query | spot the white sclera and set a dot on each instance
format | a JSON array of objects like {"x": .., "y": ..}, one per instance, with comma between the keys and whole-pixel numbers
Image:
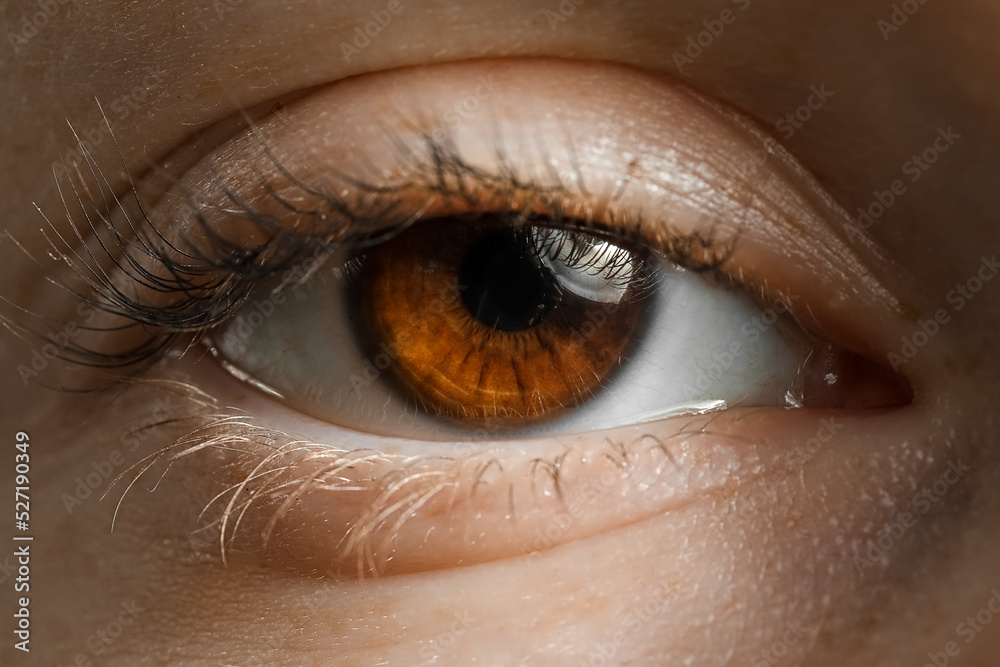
[{"x": 702, "y": 347}]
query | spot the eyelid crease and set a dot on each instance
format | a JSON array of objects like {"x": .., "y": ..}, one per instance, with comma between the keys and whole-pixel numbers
[{"x": 843, "y": 225}]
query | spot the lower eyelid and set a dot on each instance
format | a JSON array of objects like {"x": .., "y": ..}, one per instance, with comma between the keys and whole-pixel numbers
[{"x": 379, "y": 512}]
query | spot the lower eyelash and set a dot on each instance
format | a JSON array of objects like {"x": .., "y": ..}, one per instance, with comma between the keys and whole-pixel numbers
[
  {"x": 267, "y": 476},
  {"x": 180, "y": 288}
]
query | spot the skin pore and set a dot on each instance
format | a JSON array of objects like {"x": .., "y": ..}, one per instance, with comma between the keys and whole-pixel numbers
[{"x": 752, "y": 550}]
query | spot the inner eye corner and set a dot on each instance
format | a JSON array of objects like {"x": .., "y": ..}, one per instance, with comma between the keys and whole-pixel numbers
[{"x": 864, "y": 382}]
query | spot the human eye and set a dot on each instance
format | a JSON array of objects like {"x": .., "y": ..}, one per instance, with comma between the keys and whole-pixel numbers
[
  {"x": 352, "y": 181},
  {"x": 515, "y": 304}
]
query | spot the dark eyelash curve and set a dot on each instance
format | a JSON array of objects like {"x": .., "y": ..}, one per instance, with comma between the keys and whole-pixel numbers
[{"x": 171, "y": 286}]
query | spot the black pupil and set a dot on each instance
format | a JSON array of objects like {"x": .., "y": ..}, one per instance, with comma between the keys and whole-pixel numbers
[{"x": 504, "y": 284}]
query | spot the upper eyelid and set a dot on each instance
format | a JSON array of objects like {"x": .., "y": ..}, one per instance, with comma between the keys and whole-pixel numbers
[
  {"x": 233, "y": 163},
  {"x": 812, "y": 215}
]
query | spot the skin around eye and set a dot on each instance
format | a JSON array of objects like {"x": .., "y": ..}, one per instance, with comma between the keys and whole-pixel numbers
[
  {"x": 746, "y": 575},
  {"x": 375, "y": 507},
  {"x": 758, "y": 549}
]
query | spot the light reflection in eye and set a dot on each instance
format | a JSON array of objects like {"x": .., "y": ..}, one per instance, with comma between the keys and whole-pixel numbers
[{"x": 590, "y": 267}]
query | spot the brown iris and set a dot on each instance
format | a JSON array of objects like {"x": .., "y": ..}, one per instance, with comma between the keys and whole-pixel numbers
[{"x": 486, "y": 320}]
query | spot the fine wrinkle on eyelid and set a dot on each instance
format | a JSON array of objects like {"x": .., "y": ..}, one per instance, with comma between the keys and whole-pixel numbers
[
  {"x": 872, "y": 257},
  {"x": 269, "y": 473}
]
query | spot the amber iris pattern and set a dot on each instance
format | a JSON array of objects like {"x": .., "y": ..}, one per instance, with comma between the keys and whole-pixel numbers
[{"x": 498, "y": 323}]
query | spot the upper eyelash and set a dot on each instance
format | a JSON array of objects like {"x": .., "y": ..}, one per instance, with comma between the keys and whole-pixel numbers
[{"x": 210, "y": 279}]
